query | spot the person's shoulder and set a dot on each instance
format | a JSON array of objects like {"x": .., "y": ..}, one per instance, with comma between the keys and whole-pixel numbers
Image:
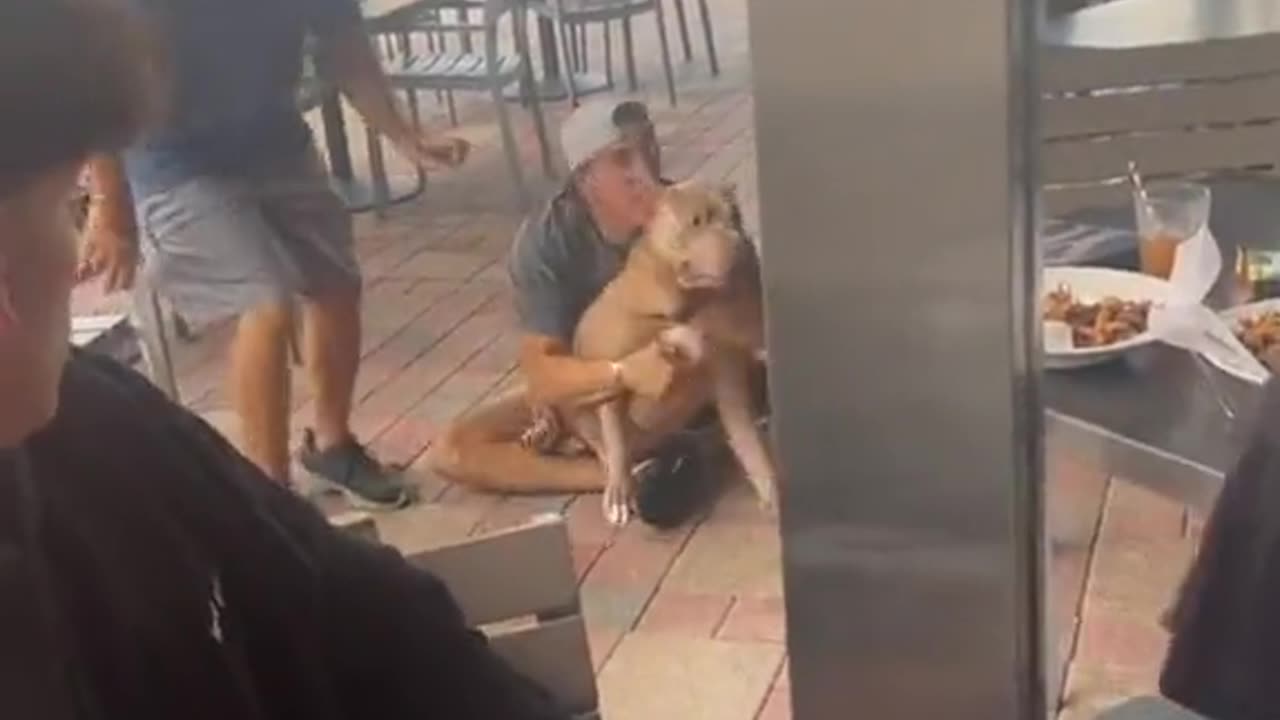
[
  {"x": 550, "y": 236},
  {"x": 106, "y": 411},
  {"x": 96, "y": 386}
]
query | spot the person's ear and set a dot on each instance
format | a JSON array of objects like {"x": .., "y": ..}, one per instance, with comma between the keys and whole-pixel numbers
[{"x": 583, "y": 178}]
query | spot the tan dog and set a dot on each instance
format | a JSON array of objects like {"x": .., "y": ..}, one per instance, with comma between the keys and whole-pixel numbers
[{"x": 686, "y": 285}]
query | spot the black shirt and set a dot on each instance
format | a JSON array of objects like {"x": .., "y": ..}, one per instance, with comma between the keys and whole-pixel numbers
[
  {"x": 147, "y": 570},
  {"x": 1224, "y": 659}
]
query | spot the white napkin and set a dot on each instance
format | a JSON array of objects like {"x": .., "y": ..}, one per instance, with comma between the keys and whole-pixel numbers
[{"x": 1184, "y": 321}]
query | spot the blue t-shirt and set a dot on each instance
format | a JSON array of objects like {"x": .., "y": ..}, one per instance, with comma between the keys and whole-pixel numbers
[
  {"x": 559, "y": 264},
  {"x": 235, "y": 67}
]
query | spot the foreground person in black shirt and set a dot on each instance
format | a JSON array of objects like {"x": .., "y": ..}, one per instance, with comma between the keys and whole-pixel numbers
[
  {"x": 1224, "y": 660},
  {"x": 146, "y": 569}
]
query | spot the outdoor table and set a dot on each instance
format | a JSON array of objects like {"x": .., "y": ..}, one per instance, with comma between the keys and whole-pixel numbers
[{"x": 1156, "y": 417}]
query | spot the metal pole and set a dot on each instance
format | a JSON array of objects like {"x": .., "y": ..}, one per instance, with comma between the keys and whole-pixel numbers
[{"x": 896, "y": 182}]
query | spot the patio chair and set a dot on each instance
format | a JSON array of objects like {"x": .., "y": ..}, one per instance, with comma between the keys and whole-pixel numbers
[
  {"x": 1178, "y": 111},
  {"x": 708, "y": 34},
  {"x": 520, "y": 587},
  {"x": 492, "y": 70},
  {"x": 578, "y": 40},
  {"x": 579, "y": 13}
]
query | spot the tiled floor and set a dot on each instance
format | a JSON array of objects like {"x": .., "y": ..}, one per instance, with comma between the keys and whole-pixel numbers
[{"x": 687, "y": 624}]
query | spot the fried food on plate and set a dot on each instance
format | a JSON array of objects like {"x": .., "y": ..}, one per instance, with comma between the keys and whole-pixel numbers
[
  {"x": 1097, "y": 324},
  {"x": 1261, "y": 334}
]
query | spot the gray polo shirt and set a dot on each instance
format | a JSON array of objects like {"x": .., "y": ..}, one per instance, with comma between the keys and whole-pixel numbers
[
  {"x": 559, "y": 265},
  {"x": 561, "y": 262}
]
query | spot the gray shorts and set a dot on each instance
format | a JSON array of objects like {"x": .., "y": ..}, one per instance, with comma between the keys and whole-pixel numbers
[{"x": 215, "y": 247}]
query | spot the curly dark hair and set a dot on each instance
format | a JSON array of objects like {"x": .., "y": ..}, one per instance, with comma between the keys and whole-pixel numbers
[{"x": 76, "y": 77}]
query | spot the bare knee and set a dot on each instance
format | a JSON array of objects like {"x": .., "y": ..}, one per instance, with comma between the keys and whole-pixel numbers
[{"x": 453, "y": 453}]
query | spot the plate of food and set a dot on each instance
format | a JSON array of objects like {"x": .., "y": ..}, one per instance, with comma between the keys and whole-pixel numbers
[
  {"x": 1094, "y": 315},
  {"x": 1257, "y": 327}
]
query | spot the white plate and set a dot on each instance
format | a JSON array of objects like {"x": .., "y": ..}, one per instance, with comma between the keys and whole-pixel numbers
[
  {"x": 1232, "y": 317},
  {"x": 1091, "y": 284}
]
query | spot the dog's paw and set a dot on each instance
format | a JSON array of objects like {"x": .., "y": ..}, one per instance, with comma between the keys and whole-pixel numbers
[{"x": 617, "y": 503}]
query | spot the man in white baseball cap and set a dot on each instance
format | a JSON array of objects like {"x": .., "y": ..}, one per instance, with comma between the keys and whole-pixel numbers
[{"x": 559, "y": 264}]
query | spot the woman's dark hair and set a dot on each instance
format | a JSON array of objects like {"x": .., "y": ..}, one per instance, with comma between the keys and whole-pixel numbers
[{"x": 76, "y": 77}]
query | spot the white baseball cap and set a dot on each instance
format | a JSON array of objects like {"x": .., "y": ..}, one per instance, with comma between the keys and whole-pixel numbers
[{"x": 597, "y": 124}]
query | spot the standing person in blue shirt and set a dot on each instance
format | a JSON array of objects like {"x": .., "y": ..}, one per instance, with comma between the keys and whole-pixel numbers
[{"x": 236, "y": 217}]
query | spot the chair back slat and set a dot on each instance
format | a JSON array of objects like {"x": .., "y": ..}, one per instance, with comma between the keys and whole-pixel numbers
[
  {"x": 520, "y": 583},
  {"x": 526, "y": 571},
  {"x": 555, "y": 655},
  {"x": 1163, "y": 108},
  {"x": 356, "y": 524},
  {"x": 1158, "y": 154},
  {"x": 1178, "y": 111},
  {"x": 1070, "y": 69}
]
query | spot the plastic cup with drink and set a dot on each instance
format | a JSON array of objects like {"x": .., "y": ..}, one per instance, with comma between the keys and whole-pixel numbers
[{"x": 1168, "y": 214}]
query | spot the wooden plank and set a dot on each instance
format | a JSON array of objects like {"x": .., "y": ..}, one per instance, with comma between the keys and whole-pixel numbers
[
  {"x": 1066, "y": 69},
  {"x": 523, "y": 571},
  {"x": 1088, "y": 160},
  {"x": 1162, "y": 108},
  {"x": 556, "y": 656}
]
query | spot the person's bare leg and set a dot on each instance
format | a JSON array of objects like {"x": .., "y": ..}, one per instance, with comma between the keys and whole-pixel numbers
[
  {"x": 331, "y": 354},
  {"x": 259, "y": 387},
  {"x": 482, "y": 449}
]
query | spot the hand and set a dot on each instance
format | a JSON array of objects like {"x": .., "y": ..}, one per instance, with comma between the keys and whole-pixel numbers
[
  {"x": 109, "y": 247},
  {"x": 648, "y": 371},
  {"x": 431, "y": 152}
]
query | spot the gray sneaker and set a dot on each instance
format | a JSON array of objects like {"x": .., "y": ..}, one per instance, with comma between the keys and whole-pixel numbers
[{"x": 349, "y": 469}]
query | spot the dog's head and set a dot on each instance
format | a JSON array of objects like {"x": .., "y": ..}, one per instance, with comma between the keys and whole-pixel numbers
[{"x": 696, "y": 233}]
